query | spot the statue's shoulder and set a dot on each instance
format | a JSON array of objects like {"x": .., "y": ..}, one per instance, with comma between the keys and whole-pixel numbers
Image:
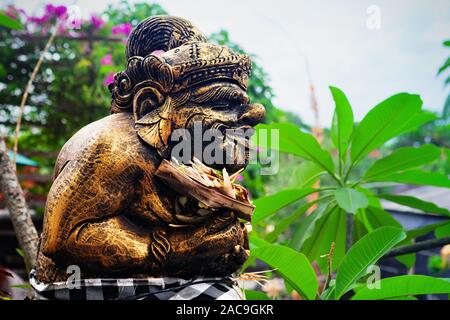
[{"x": 111, "y": 135}]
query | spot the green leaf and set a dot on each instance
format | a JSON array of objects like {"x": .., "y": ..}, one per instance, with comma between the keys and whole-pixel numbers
[
  {"x": 268, "y": 205},
  {"x": 373, "y": 218},
  {"x": 329, "y": 228},
  {"x": 9, "y": 22},
  {"x": 446, "y": 110},
  {"x": 365, "y": 253},
  {"x": 416, "y": 203},
  {"x": 256, "y": 242},
  {"x": 293, "y": 266},
  {"x": 283, "y": 224},
  {"x": 418, "y": 177},
  {"x": 419, "y": 232},
  {"x": 294, "y": 141},
  {"x": 444, "y": 66},
  {"x": 307, "y": 226},
  {"x": 403, "y": 158},
  {"x": 374, "y": 201},
  {"x": 255, "y": 295},
  {"x": 443, "y": 231},
  {"x": 416, "y": 121},
  {"x": 342, "y": 125},
  {"x": 382, "y": 123},
  {"x": 306, "y": 174},
  {"x": 402, "y": 298},
  {"x": 408, "y": 285},
  {"x": 350, "y": 200}
]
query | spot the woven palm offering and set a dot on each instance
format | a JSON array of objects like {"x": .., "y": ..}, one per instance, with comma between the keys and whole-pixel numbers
[{"x": 204, "y": 190}]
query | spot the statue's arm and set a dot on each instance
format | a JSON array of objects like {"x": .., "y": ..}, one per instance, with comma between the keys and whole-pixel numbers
[{"x": 83, "y": 220}]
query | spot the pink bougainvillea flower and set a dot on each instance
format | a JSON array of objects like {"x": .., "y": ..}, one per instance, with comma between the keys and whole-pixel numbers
[
  {"x": 58, "y": 11},
  {"x": 38, "y": 20},
  {"x": 109, "y": 79},
  {"x": 97, "y": 22},
  {"x": 157, "y": 52},
  {"x": 240, "y": 178},
  {"x": 123, "y": 28},
  {"x": 106, "y": 60}
]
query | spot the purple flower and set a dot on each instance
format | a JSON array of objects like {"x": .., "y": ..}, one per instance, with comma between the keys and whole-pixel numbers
[
  {"x": 106, "y": 60},
  {"x": 109, "y": 79},
  {"x": 240, "y": 178},
  {"x": 123, "y": 28},
  {"x": 97, "y": 22},
  {"x": 38, "y": 20},
  {"x": 50, "y": 9},
  {"x": 59, "y": 11}
]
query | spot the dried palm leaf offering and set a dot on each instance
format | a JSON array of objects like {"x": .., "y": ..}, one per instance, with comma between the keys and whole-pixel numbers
[{"x": 212, "y": 190}]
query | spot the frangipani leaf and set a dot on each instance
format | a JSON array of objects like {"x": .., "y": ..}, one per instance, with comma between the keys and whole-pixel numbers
[
  {"x": 306, "y": 174},
  {"x": 328, "y": 229},
  {"x": 416, "y": 203},
  {"x": 416, "y": 121},
  {"x": 350, "y": 200},
  {"x": 365, "y": 253},
  {"x": 9, "y": 22},
  {"x": 373, "y": 218},
  {"x": 418, "y": 177},
  {"x": 268, "y": 205},
  {"x": 408, "y": 285},
  {"x": 283, "y": 224},
  {"x": 255, "y": 295},
  {"x": 402, "y": 159},
  {"x": 342, "y": 125},
  {"x": 383, "y": 123},
  {"x": 294, "y": 141},
  {"x": 293, "y": 266}
]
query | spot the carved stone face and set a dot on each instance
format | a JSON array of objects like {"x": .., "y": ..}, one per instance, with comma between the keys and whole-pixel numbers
[
  {"x": 225, "y": 108},
  {"x": 198, "y": 83}
]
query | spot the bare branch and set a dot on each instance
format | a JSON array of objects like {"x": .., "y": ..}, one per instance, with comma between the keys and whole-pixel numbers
[
  {"x": 27, "y": 89},
  {"x": 419, "y": 246},
  {"x": 20, "y": 214}
]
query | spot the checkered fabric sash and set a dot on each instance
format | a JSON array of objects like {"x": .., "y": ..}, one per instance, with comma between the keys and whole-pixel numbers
[{"x": 139, "y": 289}]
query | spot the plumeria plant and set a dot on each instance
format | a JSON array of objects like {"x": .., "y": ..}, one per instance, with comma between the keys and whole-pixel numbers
[{"x": 348, "y": 231}]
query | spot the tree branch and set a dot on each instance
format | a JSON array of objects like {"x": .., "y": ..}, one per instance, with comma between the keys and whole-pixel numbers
[
  {"x": 72, "y": 38},
  {"x": 27, "y": 89},
  {"x": 423, "y": 245},
  {"x": 20, "y": 214}
]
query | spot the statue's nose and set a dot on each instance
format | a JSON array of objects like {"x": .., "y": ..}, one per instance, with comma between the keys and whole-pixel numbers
[{"x": 253, "y": 114}]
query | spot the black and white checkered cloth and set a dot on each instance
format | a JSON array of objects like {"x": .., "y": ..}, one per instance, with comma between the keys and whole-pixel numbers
[{"x": 139, "y": 289}]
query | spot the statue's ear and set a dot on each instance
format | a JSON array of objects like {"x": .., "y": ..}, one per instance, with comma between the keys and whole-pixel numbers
[{"x": 152, "y": 113}]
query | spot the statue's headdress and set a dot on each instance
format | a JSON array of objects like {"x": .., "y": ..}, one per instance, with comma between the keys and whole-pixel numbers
[{"x": 166, "y": 57}]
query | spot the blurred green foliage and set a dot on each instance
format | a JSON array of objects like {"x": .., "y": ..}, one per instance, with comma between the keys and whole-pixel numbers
[{"x": 70, "y": 91}]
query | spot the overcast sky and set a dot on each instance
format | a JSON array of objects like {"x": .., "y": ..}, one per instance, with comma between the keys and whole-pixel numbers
[{"x": 399, "y": 52}]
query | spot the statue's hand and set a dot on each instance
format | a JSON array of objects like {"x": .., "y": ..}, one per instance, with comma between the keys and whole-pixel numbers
[{"x": 219, "y": 247}]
